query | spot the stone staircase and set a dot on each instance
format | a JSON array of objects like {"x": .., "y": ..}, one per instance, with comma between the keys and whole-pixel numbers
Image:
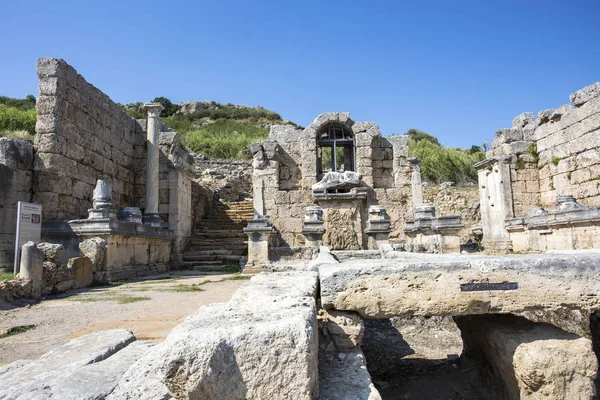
[{"x": 220, "y": 242}]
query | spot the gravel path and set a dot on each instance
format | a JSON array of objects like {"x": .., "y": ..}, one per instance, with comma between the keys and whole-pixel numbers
[{"x": 150, "y": 308}]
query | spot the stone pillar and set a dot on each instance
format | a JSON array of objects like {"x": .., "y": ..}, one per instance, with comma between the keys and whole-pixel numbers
[
  {"x": 151, "y": 216},
  {"x": 415, "y": 180},
  {"x": 102, "y": 204},
  {"x": 313, "y": 226},
  {"x": 496, "y": 202},
  {"x": 259, "y": 231},
  {"x": 32, "y": 266},
  {"x": 378, "y": 227}
]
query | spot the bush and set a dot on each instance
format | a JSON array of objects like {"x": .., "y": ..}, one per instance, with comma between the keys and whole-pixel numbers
[
  {"x": 225, "y": 138},
  {"x": 440, "y": 164},
  {"x": 169, "y": 108},
  {"x": 17, "y": 119},
  {"x": 28, "y": 103}
]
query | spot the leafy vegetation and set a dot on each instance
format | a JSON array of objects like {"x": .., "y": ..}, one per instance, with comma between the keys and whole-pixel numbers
[
  {"x": 16, "y": 118},
  {"x": 223, "y": 138},
  {"x": 6, "y": 276},
  {"x": 440, "y": 164},
  {"x": 15, "y": 330},
  {"x": 169, "y": 108},
  {"x": 28, "y": 103}
]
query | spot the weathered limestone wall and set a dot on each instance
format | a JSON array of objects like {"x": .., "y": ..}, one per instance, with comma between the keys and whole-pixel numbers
[
  {"x": 16, "y": 162},
  {"x": 286, "y": 169},
  {"x": 555, "y": 153},
  {"x": 81, "y": 136},
  {"x": 229, "y": 180},
  {"x": 456, "y": 200},
  {"x": 532, "y": 165}
]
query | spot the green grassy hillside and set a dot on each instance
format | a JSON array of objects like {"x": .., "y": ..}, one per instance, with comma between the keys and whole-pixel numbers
[{"x": 17, "y": 117}]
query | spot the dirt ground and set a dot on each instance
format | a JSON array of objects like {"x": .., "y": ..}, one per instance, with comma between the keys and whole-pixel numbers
[{"x": 150, "y": 308}]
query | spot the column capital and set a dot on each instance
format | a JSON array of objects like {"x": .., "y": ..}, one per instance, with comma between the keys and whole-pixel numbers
[{"x": 154, "y": 109}]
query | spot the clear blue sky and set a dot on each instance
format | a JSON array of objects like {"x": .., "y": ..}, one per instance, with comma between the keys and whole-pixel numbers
[{"x": 459, "y": 70}]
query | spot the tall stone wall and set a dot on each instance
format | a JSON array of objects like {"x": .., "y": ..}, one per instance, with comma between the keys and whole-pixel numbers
[
  {"x": 16, "y": 162},
  {"x": 456, "y": 200},
  {"x": 81, "y": 136},
  {"x": 555, "y": 153}
]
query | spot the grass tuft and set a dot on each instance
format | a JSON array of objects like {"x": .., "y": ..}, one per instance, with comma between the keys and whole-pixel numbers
[
  {"x": 6, "y": 276},
  {"x": 15, "y": 330}
]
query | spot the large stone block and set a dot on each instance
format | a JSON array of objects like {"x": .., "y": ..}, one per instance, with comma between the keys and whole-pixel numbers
[
  {"x": 16, "y": 154},
  {"x": 550, "y": 288},
  {"x": 584, "y": 95},
  {"x": 261, "y": 344},
  {"x": 533, "y": 361},
  {"x": 85, "y": 368}
]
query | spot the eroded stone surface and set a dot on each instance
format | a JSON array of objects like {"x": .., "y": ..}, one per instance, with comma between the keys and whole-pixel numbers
[
  {"x": 35, "y": 379},
  {"x": 261, "y": 344},
  {"x": 533, "y": 361},
  {"x": 560, "y": 289}
]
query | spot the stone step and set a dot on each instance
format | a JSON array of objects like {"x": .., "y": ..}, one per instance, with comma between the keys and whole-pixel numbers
[
  {"x": 218, "y": 259},
  {"x": 198, "y": 266}
]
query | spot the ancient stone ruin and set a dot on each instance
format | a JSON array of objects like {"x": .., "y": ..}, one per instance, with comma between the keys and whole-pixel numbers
[{"x": 362, "y": 287}]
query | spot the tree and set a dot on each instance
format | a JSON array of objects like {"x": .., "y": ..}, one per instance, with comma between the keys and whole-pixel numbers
[
  {"x": 170, "y": 108},
  {"x": 418, "y": 135}
]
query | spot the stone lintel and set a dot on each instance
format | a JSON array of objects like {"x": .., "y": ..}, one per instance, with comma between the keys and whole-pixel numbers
[
  {"x": 578, "y": 217},
  {"x": 359, "y": 193},
  {"x": 87, "y": 227},
  {"x": 489, "y": 162}
]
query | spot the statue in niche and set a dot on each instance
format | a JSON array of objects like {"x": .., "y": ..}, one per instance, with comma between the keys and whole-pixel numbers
[{"x": 338, "y": 180}]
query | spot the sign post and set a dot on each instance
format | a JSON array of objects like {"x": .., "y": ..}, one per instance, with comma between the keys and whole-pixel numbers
[{"x": 29, "y": 228}]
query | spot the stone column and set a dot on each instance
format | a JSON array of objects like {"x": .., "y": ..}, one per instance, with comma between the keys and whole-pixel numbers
[
  {"x": 151, "y": 216},
  {"x": 313, "y": 229},
  {"x": 32, "y": 266},
  {"x": 496, "y": 202},
  {"x": 415, "y": 180},
  {"x": 378, "y": 227},
  {"x": 102, "y": 205}
]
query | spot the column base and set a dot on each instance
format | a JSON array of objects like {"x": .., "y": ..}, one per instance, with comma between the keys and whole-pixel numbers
[{"x": 153, "y": 220}]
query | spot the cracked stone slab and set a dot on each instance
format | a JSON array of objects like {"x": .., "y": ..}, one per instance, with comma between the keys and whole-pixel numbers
[{"x": 560, "y": 289}]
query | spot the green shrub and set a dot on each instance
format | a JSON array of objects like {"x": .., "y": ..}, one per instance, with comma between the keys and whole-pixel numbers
[
  {"x": 440, "y": 164},
  {"x": 16, "y": 119},
  {"x": 555, "y": 160},
  {"x": 225, "y": 138},
  {"x": 28, "y": 103}
]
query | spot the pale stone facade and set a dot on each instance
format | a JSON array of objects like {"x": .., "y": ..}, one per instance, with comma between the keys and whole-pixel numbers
[
  {"x": 286, "y": 168},
  {"x": 533, "y": 164}
]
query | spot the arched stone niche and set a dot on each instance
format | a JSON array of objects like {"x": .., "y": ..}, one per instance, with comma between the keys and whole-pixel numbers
[{"x": 366, "y": 135}]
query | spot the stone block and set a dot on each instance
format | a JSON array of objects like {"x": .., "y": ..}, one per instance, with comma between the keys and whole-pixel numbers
[
  {"x": 533, "y": 360},
  {"x": 584, "y": 95},
  {"x": 508, "y": 136},
  {"x": 51, "y": 67},
  {"x": 588, "y": 158},
  {"x": 285, "y": 304},
  {"x": 523, "y": 120},
  {"x": 51, "y": 251},
  {"x": 56, "y": 163},
  {"x": 16, "y": 154},
  {"x": 82, "y": 271},
  {"x": 95, "y": 250}
]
